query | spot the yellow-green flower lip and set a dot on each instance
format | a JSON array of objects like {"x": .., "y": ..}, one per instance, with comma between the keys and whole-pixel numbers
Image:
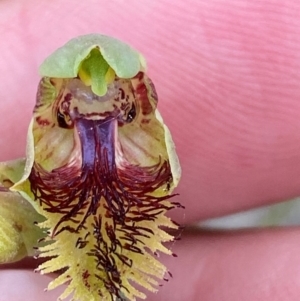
[{"x": 65, "y": 61}]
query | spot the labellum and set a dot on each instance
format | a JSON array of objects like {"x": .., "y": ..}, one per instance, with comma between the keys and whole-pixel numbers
[{"x": 100, "y": 168}]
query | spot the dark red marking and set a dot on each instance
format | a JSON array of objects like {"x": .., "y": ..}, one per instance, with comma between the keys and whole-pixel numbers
[
  {"x": 142, "y": 96},
  {"x": 145, "y": 121},
  {"x": 85, "y": 277},
  {"x": 42, "y": 122}
]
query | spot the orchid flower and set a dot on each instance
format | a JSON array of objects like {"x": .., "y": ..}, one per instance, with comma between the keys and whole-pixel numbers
[{"x": 99, "y": 173}]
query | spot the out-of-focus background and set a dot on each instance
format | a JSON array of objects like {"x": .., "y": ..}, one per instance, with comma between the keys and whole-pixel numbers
[{"x": 282, "y": 214}]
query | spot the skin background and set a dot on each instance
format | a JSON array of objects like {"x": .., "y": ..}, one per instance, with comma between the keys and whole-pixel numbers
[{"x": 227, "y": 76}]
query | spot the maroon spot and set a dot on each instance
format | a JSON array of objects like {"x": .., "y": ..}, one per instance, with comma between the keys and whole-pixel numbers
[
  {"x": 68, "y": 97},
  {"x": 145, "y": 120},
  {"x": 85, "y": 276},
  {"x": 142, "y": 95},
  {"x": 152, "y": 89},
  {"x": 140, "y": 76},
  {"x": 42, "y": 122},
  {"x": 122, "y": 93},
  {"x": 124, "y": 106}
]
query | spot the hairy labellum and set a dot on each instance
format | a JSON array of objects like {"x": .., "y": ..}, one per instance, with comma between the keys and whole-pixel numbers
[{"x": 101, "y": 166}]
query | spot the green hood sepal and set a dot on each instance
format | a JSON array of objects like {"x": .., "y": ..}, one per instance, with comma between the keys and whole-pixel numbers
[{"x": 66, "y": 61}]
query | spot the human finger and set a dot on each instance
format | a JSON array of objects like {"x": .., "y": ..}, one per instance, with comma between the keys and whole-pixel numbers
[
  {"x": 259, "y": 265},
  {"x": 226, "y": 77}
]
